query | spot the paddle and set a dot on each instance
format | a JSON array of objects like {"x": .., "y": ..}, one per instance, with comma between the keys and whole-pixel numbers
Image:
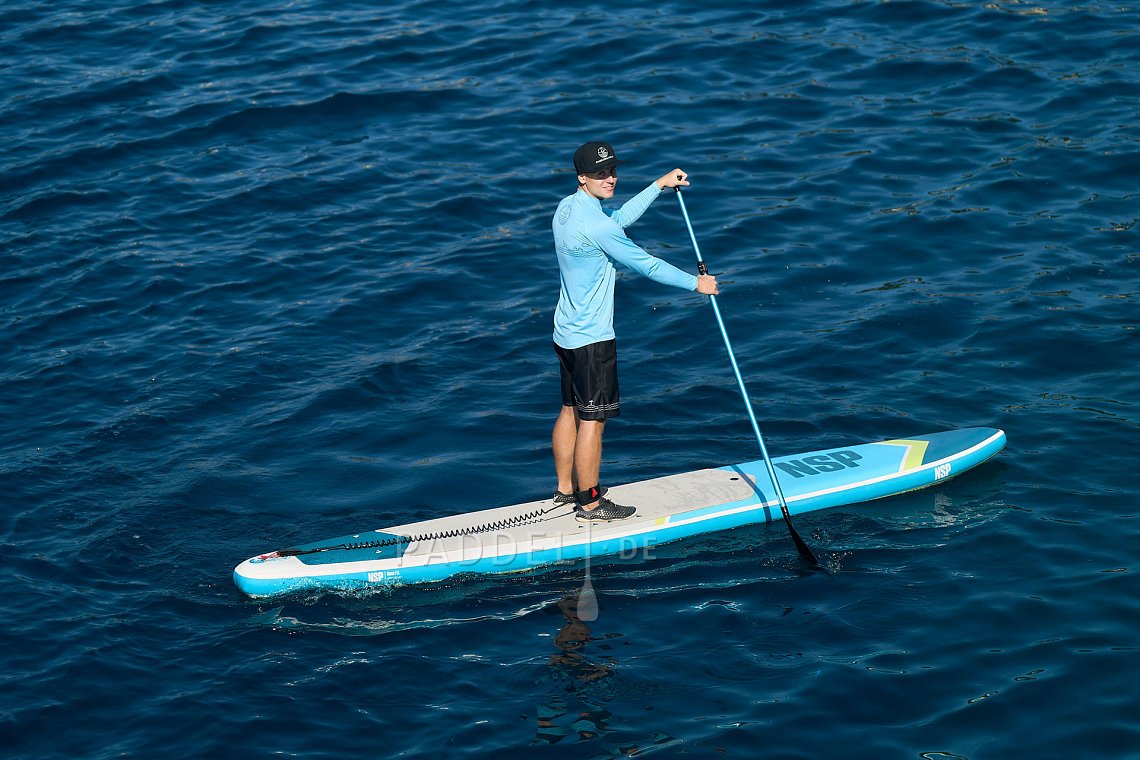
[{"x": 805, "y": 552}]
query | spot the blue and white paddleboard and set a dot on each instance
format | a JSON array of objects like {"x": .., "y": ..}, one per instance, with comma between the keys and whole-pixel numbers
[{"x": 525, "y": 536}]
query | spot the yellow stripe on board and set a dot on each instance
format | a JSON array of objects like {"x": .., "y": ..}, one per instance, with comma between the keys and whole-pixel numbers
[{"x": 915, "y": 451}]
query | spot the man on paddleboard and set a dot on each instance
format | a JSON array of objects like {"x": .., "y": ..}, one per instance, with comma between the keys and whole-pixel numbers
[{"x": 588, "y": 239}]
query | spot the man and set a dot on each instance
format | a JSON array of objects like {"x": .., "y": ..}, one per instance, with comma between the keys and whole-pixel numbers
[{"x": 588, "y": 240}]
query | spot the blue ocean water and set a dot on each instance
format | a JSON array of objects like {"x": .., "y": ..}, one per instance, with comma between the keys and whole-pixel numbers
[{"x": 274, "y": 272}]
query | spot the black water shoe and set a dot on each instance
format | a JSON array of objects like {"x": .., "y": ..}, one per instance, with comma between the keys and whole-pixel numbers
[{"x": 606, "y": 511}]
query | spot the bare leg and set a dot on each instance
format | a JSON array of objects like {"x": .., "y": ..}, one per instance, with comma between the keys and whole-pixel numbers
[
  {"x": 564, "y": 440},
  {"x": 588, "y": 455}
]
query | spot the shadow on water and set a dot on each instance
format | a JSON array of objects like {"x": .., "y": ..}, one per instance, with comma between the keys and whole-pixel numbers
[{"x": 577, "y": 678}]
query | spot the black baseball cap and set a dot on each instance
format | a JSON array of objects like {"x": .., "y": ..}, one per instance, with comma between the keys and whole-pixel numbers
[{"x": 594, "y": 157}]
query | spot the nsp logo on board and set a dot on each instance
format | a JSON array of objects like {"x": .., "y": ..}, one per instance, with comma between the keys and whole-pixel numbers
[{"x": 833, "y": 461}]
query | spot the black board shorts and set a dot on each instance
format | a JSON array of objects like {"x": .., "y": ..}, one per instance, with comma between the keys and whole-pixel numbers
[{"x": 589, "y": 379}]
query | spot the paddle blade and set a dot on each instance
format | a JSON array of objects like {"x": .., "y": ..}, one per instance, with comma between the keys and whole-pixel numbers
[{"x": 806, "y": 554}]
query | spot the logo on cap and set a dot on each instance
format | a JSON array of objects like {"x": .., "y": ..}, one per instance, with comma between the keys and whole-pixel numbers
[{"x": 603, "y": 154}]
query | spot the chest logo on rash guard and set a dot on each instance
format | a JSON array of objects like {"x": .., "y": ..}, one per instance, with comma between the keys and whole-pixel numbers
[{"x": 563, "y": 213}]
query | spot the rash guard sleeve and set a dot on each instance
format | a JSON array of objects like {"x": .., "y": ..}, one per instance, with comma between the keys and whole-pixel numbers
[
  {"x": 632, "y": 209},
  {"x": 624, "y": 251}
]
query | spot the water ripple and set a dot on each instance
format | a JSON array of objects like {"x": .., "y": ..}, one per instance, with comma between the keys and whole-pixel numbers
[{"x": 273, "y": 272}]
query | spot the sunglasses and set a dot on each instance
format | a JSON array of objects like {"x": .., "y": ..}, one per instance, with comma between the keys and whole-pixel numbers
[{"x": 611, "y": 172}]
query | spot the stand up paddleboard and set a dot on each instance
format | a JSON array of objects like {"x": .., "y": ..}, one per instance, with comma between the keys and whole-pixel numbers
[{"x": 525, "y": 536}]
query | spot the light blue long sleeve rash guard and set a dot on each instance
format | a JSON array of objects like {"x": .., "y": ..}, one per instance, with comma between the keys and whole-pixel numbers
[{"x": 587, "y": 240}]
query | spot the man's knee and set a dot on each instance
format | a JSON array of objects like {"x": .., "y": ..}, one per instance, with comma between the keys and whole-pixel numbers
[{"x": 589, "y": 427}]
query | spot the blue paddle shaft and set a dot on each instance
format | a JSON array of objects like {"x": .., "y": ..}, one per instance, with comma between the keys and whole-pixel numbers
[{"x": 702, "y": 267}]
